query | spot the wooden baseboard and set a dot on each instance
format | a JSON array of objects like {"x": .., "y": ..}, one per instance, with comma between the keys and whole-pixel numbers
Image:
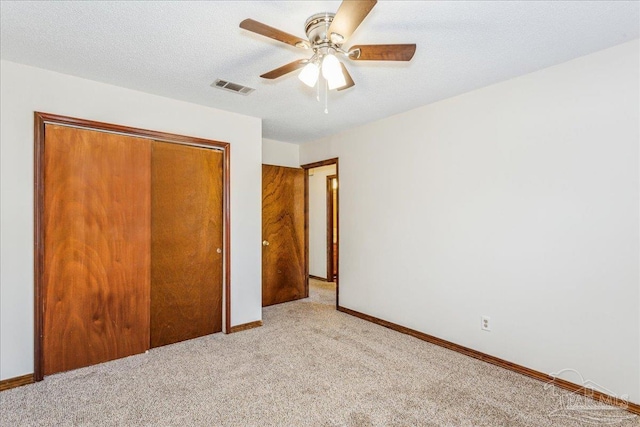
[
  {"x": 16, "y": 382},
  {"x": 311, "y": 276},
  {"x": 245, "y": 326},
  {"x": 567, "y": 385}
]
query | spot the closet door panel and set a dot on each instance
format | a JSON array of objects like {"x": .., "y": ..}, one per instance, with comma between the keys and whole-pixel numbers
[
  {"x": 97, "y": 227},
  {"x": 187, "y": 230}
]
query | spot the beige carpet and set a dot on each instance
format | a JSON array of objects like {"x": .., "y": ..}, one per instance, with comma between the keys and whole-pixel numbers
[{"x": 309, "y": 365}]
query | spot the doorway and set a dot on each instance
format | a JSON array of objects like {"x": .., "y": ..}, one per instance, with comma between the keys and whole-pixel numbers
[
  {"x": 332, "y": 228},
  {"x": 322, "y": 222}
]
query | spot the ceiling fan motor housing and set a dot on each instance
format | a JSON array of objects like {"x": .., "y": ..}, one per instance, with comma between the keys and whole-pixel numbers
[{"x": 317, "y": 27}]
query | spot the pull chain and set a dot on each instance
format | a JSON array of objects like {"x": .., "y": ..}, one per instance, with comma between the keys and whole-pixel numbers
[{"x": 326, "y": 97}]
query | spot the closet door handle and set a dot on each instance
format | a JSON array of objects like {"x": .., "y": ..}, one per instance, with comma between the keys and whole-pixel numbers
[
  {"x": 265, "y": 243},
  {"x": 219, "y": 250}
]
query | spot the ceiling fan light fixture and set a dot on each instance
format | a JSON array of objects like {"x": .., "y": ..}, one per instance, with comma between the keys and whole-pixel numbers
[
  {"x": 332, "y": 72},
  {"x": 309, "y": 74}
]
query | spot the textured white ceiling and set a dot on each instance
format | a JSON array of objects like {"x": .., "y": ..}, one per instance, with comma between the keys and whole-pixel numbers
[{"x": 177, "y": 49}]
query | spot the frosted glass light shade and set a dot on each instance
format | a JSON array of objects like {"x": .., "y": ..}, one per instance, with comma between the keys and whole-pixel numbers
[
  {"x": 332, "y": 71},
  {"x": 309, "y": 74},
  {"x": 337, "y": 82}
]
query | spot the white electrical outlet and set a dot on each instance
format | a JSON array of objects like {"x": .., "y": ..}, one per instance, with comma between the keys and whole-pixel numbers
[{"x": 485, "y": 324}]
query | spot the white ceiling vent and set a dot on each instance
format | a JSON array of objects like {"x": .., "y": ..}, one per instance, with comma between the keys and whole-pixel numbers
[{"x": 232, "y": 87}]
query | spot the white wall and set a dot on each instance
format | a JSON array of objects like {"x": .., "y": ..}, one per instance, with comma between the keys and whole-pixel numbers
[
  {"x": 519, "y": 201},
  {"x": 27, "y": 89},
  {"x": 318, "y": 220},
  {"x": 280, "y": 153}
]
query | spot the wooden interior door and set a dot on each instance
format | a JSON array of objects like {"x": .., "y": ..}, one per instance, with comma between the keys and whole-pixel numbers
[
  {"x": 284, "y": 274},
  {"x": 186, "y": 242},
  {"x": 96, "y": 218}
]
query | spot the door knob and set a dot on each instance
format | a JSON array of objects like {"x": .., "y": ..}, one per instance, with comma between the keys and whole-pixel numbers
[
  {"x": 219, "y": 250},
  {"x": 265, "y": 243}
]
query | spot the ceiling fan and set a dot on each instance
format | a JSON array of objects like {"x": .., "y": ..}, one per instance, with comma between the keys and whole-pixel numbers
[{"x": 326, "y": 33}]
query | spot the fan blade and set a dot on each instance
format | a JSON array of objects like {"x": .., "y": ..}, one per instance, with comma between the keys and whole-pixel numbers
[
  {"x": 347, "y": 78},
  {"x": 382, "y": 52},
  {"x": 348, "y": 17},
  {"x": 273, "y": 33},
  {"x": 285, "y": 69}
]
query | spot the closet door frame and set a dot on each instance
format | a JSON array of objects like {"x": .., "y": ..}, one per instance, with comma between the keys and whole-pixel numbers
[{"x": 40, "y": 121}]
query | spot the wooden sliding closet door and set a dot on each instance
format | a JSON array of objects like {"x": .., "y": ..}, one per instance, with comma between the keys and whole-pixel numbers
[
  {"x": 96, "y": 247},
  {"x": 186, "y": 242}
]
